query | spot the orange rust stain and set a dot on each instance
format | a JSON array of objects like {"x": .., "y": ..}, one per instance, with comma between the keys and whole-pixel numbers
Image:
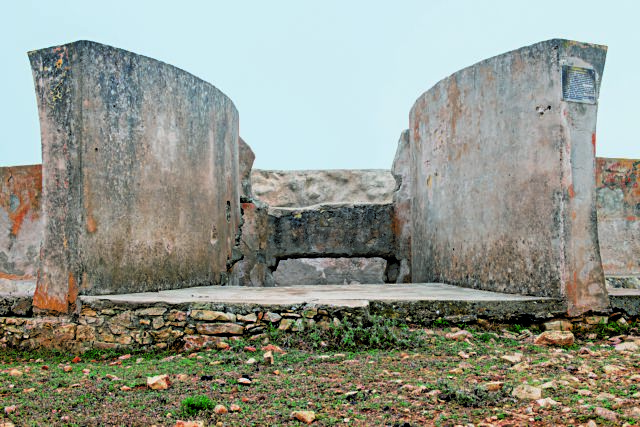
[
  {"x": 25, "y": 183},
  {"x": 15, "y": 276},
  {"x": 593, "y": 142},
  {"x": 574, "y": 215},
  {"x": 572, "y": 193},
  {"x": 18, "y": 218},
  {"x": 72, "y": 293},
  {"x": 44, "y": 301},
  {"x": 632, "y": 218},
  {"x": 91, "y": 225}
]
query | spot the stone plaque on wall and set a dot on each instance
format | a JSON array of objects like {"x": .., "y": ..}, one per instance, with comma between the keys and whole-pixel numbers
[{"x": 578, "y": 84}]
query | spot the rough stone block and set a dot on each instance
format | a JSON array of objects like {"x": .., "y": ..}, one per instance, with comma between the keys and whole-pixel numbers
[
  {"x": 219, "y": 329},
  {"x": 323, "y": 271},
  {"x": 503, "y": 162},
  {"x": 341, "y": 230},
  {"x": 210, "y": 315},
  {"x": 313, "y": 187},
  {"x": 141, "y": 180}
]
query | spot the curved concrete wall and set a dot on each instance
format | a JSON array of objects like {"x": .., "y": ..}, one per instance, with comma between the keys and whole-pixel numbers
[
  {"x": 503, "y": 165},
  {"x": 20, "y": 221},
  {"x": 618, "y": 189},
  {"x": 140, "y": 167}
]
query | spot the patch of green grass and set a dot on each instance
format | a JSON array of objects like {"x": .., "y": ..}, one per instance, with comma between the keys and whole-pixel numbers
[{"x": 196, "y": 404}]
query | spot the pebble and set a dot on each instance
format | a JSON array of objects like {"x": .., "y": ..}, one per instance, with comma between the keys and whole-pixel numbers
[
  {"x": 220, "y": 409},
  {"x": 306, "y": 417}
]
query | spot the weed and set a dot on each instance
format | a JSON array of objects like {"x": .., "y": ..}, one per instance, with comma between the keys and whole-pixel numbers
[{"x": 193, "y": 405}]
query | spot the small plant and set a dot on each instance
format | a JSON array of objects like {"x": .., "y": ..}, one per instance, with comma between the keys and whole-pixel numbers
[{"x": 194, "y": 405}]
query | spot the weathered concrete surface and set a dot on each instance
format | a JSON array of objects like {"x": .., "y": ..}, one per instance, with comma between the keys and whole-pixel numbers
[
  {"x": 618, "y": 196},
  {"x": 503, "y": 195},
  {"x": 401, "y": 171},
  {"x": 252, "y": 269},
  {"x": 245, "y": 160},
  {"x": 141, "y": 180},
  {"x": 330, "y": 271},
  {"x": 625, "y": 300},
  {"x": 339, "y": 230},
  {"x": 21, "y": 223},
  {"x": 313, "y": 187}
]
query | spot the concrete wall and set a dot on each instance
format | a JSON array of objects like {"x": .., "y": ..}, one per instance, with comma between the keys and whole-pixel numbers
[
  {"x": 504, "y": 168},
  {"x": 313, "y": 187},
  {"x": 618, "y": 190},
  {"x": 401, "y": 171},
  {"x": 140, "y": 167},
  {"x": 20, "y": 221}
]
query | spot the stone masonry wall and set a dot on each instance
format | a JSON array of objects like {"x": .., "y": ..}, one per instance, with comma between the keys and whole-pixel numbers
[{"x": 303, "y": 188}]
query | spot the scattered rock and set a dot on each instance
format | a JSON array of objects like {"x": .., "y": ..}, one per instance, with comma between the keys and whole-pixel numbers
[
  {"x": 547, "y": 401},
  {"x": 268, "y": 357},
  {"x": 606, "y": 414},
  {"x": 627, "y": 346},
  {"x": 251, "y": 361},
  {"x": 612, "y": 369},
  {"x": 220, "y": 409},
  {"x": 10, "y": 409},
  {"x": 527, "y": 392},
  {"x": 159, "y": 382},
  {"x": 250, "y": 349},
  {"x": 76, "y": 359},
  {"x": 304, "y": 416},
  {"x": 67, "y": 368},
  {"x": 235, "y": 408},
  {"x": 558, "y": 325},
  {"x": 512, "y": 358},
  {"x": 244, "y": 381},
  {"x": 125, "y": 388},
  {"x": 494, "y": 385},
  {"x": 605, "y": 396},
  {"x": 459, "y": 335},
  {"x": 180, "y": 423},
  {"x": 15, "y": 373},
  {"x": 273, "y": 348},
  {"x": 549, "y": 385},
  {"x": 520, "y": 367},
  {"x": 557, "y": 338}
]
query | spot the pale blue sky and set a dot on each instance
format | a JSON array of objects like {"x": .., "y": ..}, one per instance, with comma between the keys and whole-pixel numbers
[{"x": 320, "y": 84}]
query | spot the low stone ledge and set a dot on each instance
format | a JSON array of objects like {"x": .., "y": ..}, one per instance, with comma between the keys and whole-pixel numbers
[{"x": 103, "y": 324}]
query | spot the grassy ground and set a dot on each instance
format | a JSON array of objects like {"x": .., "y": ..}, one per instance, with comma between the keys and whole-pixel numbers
[{"x": 382, "y": 374}]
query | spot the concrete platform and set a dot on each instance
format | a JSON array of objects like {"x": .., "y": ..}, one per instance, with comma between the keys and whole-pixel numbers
[
  {"x": 334, "y": 295},
  {"x": 419, "y": 300}
]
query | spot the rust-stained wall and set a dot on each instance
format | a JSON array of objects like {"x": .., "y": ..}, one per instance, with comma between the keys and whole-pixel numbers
[
  {"x": 503, "y": 195},
  {"x": 618, "y": 190},
  {"x": 141, "y": 180},
  {"x": 20, "y": 221}
]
